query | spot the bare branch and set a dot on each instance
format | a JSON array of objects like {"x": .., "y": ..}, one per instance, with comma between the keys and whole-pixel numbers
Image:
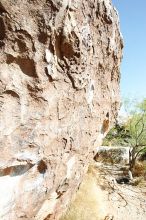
[{"x": 139, "y": 152}]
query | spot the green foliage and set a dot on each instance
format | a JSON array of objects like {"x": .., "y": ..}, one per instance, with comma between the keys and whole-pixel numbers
[
  {"x": 136, "y": 126},
  {"x": 131, "y": 133},
  {"x": 117, "y": 136}
]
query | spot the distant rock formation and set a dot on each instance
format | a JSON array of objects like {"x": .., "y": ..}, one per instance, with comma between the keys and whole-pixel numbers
[
  {"x": 113, "y": 154},
  {"x": 59, "y": 80}
]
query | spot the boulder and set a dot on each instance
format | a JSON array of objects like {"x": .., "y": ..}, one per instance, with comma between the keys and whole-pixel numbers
[
  {"x": 113, "y": 154},
  {"x": 59, "y": 94}
]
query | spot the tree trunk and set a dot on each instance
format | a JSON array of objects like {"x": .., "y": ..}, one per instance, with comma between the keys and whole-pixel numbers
[
  {"x": 132, "y": 164},
  {"x": 132, "y": 159}
]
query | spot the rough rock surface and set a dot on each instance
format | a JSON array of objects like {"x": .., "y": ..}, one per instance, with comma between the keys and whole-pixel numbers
[
  {"x": 113, "y": 154},
  {"x": 59, "y": 93}
]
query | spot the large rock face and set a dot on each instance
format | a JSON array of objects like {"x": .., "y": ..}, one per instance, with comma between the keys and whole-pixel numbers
[{"x": 59, "y": 85}]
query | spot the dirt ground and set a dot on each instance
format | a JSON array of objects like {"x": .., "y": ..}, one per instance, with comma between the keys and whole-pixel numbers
[
  {"x": 123, "y": 201},
  {"x": 100, "y": 197}
]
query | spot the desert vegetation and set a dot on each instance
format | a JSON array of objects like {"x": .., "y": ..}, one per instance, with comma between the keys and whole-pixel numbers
[{"x": 131, "y": 132}]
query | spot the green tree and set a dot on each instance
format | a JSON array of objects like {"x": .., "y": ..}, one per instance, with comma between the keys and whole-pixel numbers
[
  {"x": 131, "y": 133},
  {"x": 136, "y": 126}
]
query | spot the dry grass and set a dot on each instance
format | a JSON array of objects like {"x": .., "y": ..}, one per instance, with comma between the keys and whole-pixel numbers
[
  {"x": 87, "y": 204},
  {"x": 140, "y": 174},
  {"x": 140, "y": 169}
]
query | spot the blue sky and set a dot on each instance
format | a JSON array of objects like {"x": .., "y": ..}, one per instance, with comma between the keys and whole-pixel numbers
[{"x": 133, "y": 27}]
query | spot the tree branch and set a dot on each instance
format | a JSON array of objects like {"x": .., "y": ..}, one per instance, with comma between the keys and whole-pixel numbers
[{"x": 136, "y": 155}]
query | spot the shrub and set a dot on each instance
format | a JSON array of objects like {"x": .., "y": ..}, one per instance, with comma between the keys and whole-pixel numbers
[{"x": 139, "y": 169}]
